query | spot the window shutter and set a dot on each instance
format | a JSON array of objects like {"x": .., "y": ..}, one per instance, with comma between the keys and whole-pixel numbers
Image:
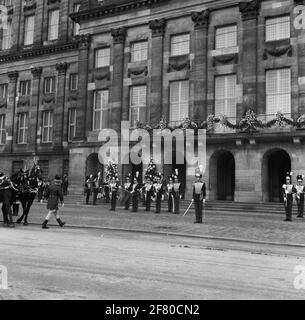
[{"x": 180, "y": 45}]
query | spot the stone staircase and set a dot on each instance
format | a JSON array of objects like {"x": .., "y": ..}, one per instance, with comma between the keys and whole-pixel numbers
[{"x": 219, "y": 206}]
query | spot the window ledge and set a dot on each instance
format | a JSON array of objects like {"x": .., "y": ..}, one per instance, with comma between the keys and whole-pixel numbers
[{"x": 225, "y": 51}]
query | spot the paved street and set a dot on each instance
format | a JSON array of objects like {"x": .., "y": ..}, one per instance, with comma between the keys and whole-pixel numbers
[
  {"x": 262, "y": 227},
  {"x": 92, "y": 264}
]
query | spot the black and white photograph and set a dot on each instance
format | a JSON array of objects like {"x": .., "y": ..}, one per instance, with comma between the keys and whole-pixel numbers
[{"x": 152, "y": 151}]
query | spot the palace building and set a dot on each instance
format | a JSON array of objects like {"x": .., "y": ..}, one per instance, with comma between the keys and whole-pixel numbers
[{"x": 69, "y": 69}]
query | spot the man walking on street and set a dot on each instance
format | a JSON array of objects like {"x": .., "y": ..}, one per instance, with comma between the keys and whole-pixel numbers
[{"x": 54, "y": 194}]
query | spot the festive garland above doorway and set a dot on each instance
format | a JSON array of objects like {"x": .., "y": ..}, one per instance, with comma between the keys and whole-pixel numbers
[{"x": 249, "y": 123}]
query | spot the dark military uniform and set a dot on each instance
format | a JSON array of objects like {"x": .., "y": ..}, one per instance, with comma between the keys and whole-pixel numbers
[
  {"x": 135, "y": 194},
  {"x": 177, "y": 193},
  {"x": 169, "y": 188},
  {"x": 300, "y": 199},
  {"x": 114, "y": 188},
  {"x": 199, "y": 195},
  {"x": 288, "y": 190},
  {"x": 159, "y": 190},
  {"x": 127, "y": 187},
  {"x": 148, "y": 193},
  {"x": 5, "y": 198}
]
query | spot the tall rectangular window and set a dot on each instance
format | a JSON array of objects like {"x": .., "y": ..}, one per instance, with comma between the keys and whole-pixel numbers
[
  {"x": 226, "y": 37},
  {"x": 278, "y": 92},
  {"x": 76, "y": 26},
  {"x": 139, "y": 51},
  {"x": 101, "y": 98},
  {"x": 226, "y": 96},
  {"x": 29, "y": 27},
  {"x": 25, "y": 88},
  {"x": 179, "y": 100},
  {"x": 53, "y": 26},
  {"x": 7, "y": 36},
  {"x": 137, "y": 104},
  {"x": 49, "y": 85},
  {"x": 102, "y": 57},
  {"x": 73, "y": 81},
  {"x": 3, "y": 91},
  {"x": 47, "y": 126},
  {"x": 180, "y": 45},
  {"x": 72, "y": 124},
  {"x": 2, "y": 130},
  {"x": 23, "y": 123},
  {"x": 277, "y": 28}
]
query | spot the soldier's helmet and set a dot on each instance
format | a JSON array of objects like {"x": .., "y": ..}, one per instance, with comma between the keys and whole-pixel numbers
[{"x": 300, "y": 178}]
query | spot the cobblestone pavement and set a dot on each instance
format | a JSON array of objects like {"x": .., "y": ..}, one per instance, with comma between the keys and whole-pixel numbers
[{"x": 262, "y": 227}]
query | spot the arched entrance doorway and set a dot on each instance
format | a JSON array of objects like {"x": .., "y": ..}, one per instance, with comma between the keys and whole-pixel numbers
[
  {"x": 277, "y": 163},
  {"x": 222, "y": 175},
  {"x": 93, "y": 165}
]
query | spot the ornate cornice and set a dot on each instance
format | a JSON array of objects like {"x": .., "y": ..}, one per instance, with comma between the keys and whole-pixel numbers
[
  {"x": 62, "y": 68},
  {"x": 97, "y": 11},
  {"x": 35, "y": 52},
  {"x": 201, "y": 19},
  {"x": 250, "y": 10},
  {"x": 157, "y": 27},
  {"x": 13, "y": 76},
  {"x": 36, "y": 72},
  {"x": 179, "y": 63},
  {"x": 138, "y": 71},
  {"x": 83, "y": 40},
  {"x": 119, "y": 35},
  {"x": 226, "y": 58},
  {"x": 52, "y": 2},
  {"x": 29, "y": 7}
]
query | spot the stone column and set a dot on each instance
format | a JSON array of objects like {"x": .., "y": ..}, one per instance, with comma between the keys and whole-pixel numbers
[
  {"x": 155, "y": 108},
  {"x": 199, "y": 75},
  {"x": 34, "y": 109},
  {"x": 11, "y": 107},
  {"x": 59, "y": 112},
  {"x": 249, "y": 12},
  {"x": 83, "y": 57},
  {"x": 119, "y": 36}
]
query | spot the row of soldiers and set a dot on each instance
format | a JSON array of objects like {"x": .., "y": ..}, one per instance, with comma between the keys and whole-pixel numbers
[
  {"x": 154, "y": 189},
  {"x": 291, "y": 192}
]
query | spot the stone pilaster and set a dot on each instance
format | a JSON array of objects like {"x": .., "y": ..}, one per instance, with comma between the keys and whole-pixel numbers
[
  {"x": 155, "y": 108},
  {"x": 119, "y": 36},
  {"x": 59, "y": 112},
  {"x": 11, "y": 107},
  {"x": 34, "y": 110},
  {"x": 199, "y": 72},
  {"x": 81, "y": 113},
  {"x": 249, "y": 13}
]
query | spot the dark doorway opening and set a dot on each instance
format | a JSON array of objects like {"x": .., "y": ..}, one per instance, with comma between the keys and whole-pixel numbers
[
  {"x": 225, "y": 176},
  {"x": 279, "y": 163}
]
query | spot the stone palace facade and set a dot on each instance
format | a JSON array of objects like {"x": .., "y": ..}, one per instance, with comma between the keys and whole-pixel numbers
[{"x": 71, "y": 68}]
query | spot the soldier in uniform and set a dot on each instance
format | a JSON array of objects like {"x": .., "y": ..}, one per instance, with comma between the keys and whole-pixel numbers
[
  {"x": 54, "y": 194},
  {"x": 288, "y": 190},
  {"x": 127, "y": 187},
  {"x": 300, "y": 189},
  {"x": 199, "y": 195},
  {"x": 177, "y": 195},
  {"x": 114, "y": 188},
  {"x": 135, "y": 194},
  {"x": 169, "y": 192},
  {"x": 5, "y": 198},
  {"x": 148, "y": 190},
  {"x": 159, "y": 193},
  {"x": 87, "y": 189}
]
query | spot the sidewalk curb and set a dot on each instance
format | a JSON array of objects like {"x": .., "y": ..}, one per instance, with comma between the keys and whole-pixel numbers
[{"x": 173, "y": 234}]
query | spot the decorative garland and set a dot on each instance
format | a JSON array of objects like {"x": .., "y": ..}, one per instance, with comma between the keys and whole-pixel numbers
[{"x": 249, "y": 123}]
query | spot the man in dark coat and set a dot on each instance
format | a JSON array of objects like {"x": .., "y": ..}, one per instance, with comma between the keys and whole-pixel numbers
[
  {"x": 114, "y": 188},
  {"x": 288, "y": 190},
  {"x": 135, "y": 194},
  {"x": 159, "y": 190},
  {"x": 54, "y": 194},
  {"x": 5, "y": 198},
  {"x": 300, "y": 190},
  {"x": 177, "y": 195},
  {"x": 127, "y": 188}
]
